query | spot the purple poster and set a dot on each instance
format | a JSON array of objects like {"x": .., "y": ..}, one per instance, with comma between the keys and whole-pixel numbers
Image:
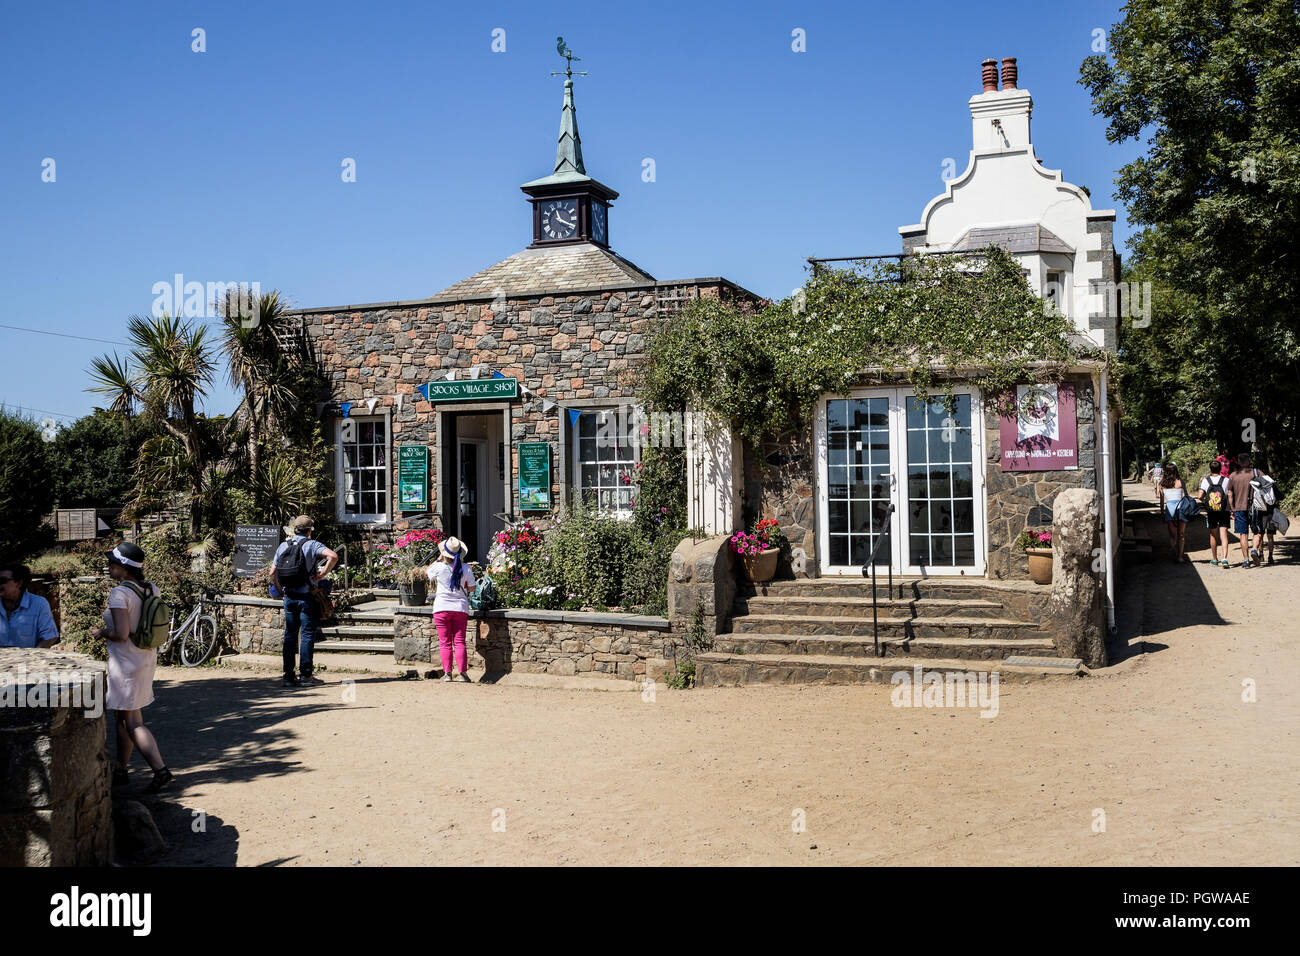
[{"x": 1044, "y": 434}]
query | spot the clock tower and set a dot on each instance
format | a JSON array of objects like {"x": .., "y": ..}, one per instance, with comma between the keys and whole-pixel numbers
[{"x": 568, "y": 205}]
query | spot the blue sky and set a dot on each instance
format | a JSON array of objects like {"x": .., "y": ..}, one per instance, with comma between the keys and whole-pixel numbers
[{"x": 225, "y": 165}]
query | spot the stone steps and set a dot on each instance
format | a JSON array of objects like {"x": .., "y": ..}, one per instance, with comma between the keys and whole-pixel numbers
[
  {"x": 717, "y": 669},
  {"x": 840, "y": 606},
  {"x": 377, "y": 646},
  {"x": 889, "y": 626},
  {"x": 958, "y": 648},
  {"x": 1007, "y": 593}
]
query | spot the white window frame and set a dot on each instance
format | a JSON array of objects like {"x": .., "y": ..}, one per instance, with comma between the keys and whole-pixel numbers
[
  {"x": 340, "y": 507},
  {"x": 900, "y": 530},
  {"x": 575, "y": 447}
]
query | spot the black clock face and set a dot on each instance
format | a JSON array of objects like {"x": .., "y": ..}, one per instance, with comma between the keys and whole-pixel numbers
[
  {"x": 560, "y": 219},
  {"x": 599, "y": 224}
]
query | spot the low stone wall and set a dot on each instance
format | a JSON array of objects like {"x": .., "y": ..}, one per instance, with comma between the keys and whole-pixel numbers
[
  {"x": 256, "y": 622},
  {"x": 55, "y": 804},
  {"x": 566, "y": 643}
]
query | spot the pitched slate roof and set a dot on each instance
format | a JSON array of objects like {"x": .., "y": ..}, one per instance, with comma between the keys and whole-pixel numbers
[
  {"x": 581, "y": 267},
  {"x": 1029, "y": 237}
]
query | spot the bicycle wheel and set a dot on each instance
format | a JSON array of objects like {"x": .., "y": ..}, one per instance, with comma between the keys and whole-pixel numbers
[{"x": 199, "y": 642}]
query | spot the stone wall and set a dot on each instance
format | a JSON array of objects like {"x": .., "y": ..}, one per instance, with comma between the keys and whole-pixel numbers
[
  {"x": 565, "y": 643},
  {"x": 256, "y": 623},
  {"x": 571, "y": 349},
  {"x": 55, "y": 804},
  {"x": 781, "y": 483}
]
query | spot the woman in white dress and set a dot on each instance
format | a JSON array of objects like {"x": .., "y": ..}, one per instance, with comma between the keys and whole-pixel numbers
[{"x": 130, "y": 668}]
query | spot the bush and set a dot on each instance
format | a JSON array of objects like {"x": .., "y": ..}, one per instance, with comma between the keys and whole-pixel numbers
[
  {"x": 586, "y": 554},
  {"x": 26, "y": 489},
  {"x": 1193, "y": 462}
]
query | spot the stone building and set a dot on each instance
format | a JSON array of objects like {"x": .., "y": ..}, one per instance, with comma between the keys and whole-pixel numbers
[
  {"x": 958, "y": 505},
  {"x": 433, "y": 400}
]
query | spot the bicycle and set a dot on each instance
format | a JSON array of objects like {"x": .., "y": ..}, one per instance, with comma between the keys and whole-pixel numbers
[{"x": 197, "y": 634}]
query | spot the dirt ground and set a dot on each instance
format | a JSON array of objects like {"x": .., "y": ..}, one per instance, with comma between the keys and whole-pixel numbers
[{"x": 417, "y": 772}]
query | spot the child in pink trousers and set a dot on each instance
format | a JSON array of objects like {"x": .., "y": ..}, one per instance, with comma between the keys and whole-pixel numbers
[{"x": 452, "y": 578}]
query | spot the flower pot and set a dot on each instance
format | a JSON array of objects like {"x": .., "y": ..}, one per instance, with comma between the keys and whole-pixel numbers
[
  {"x": 413, "y": 594},
  {"x": 1040, "y": 564},
  {"x": 759, "y": 567}
]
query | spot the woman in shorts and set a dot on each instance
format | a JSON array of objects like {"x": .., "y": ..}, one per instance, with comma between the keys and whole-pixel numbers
[{"x": 1171, "y": 496}]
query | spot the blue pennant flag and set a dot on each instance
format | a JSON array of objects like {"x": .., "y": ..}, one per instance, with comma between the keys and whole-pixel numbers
[
  {"x": 496, "y": 374},
  {"x": 423, "y": 390},
  {"x": 347, "y": 407},
  {"x": 574, "y": 415}
]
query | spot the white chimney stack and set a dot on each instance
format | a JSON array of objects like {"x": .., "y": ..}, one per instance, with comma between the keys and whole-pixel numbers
[{"x": 1000, "y": 117}]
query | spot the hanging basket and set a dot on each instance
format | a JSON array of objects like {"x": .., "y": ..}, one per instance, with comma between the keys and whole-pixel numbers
[
  {"x": 760, "y": 567},
  {"x": 1040, "y": 564}
]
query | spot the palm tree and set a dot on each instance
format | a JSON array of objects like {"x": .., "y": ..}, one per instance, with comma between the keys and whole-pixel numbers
[
  {"x": 166, "y": 373},
  {"x": 256, "y": 363}
]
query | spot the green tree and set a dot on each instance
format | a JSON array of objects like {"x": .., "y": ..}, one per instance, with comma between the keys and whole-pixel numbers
[
  {"x": 25, "y": 488},
  {"x": 1212, "y": 88},
  {"x": 93, "y": 460}
]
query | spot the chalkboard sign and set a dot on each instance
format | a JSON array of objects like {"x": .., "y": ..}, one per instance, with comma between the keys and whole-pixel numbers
[
  {"x": 534, "y": 476},
  {"x": 413, "y": 477},
  {"x": 255, "y": 546}
]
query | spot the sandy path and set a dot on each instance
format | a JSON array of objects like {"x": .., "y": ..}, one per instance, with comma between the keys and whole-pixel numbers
[{"x": 412, "y": 771}]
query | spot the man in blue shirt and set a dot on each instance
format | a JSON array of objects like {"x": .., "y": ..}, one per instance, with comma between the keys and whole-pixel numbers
[
  {"x": 299, "y": 610},
  {"x": 25, "y": 618}
]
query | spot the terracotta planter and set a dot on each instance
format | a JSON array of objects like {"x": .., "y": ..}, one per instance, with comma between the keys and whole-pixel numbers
[
  {"x": 1040, "y": 564},
  {"x": 413, "y": 594},
  {"x": 759, "y": 567}
]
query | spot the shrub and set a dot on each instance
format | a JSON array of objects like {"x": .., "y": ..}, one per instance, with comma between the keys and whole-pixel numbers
[
  {"x": 25, "y": 488},
  {"x": 586, "y": 554}
]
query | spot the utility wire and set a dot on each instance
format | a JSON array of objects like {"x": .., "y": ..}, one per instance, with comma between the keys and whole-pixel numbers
[{"x": 62, "y": 335}]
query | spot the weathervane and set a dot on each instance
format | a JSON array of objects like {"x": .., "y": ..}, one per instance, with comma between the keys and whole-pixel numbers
[{"x": 565, "y": 52}]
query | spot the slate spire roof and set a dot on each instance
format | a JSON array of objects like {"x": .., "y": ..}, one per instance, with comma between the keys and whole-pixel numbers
[
  {"x": 578, "y": 267},
  {"x": 568, "y": 149}
]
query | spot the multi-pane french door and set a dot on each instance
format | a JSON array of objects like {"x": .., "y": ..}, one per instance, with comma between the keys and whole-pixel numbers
[{"x": 879, "y": 447}]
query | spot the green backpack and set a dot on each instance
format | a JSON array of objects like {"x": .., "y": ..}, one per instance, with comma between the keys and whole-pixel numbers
[{"x": 155, "y": 620}]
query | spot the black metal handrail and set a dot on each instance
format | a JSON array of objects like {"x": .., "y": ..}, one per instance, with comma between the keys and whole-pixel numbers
[{"x": 871, "y": 563}]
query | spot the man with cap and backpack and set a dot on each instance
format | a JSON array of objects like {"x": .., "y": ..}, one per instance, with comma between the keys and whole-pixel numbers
[
  {"x": 1263, "y": 503},
  {"x": 295, "y": 574}
]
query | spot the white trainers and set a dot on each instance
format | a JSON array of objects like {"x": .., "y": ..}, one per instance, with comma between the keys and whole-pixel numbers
[
  {"x": 465, "y": 678},
  {"x": 446, "y": 678}
]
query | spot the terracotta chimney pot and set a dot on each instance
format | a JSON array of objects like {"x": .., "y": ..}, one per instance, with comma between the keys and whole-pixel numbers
[
  {"x": 1009, "y": 72},
  {"x": 989, "y": 74}
]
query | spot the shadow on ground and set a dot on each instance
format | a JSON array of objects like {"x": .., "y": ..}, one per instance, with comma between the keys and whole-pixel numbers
[{"x": 216, "y": 731}]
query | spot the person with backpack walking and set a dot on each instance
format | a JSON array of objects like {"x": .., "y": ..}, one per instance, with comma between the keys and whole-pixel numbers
[
  {"x": 1217, "y": 499},
  {"x": 294, "y": 573},
  {"x": 452, "y": 577},
  {"x": 133, "y": 609},
  {"x": 1263, "y": 504},
  {"x": 1242, "y": 495},
  {"x": 1171, "y": 507}
]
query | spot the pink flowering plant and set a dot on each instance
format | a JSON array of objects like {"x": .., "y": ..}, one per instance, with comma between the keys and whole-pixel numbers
[
  {"x": 1033, "y": 538},
  {"x": 762, "y": 536},
  {"x": 408, "y": 556}
]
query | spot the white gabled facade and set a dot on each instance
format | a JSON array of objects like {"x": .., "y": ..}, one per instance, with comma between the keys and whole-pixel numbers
[{"x": 1007, "y": 197}]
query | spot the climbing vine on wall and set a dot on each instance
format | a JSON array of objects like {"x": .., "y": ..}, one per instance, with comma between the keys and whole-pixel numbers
[{"x": 763, "y": 369}]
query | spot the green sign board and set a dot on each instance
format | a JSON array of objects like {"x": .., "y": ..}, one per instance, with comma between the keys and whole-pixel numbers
[
  {"x": 474, "y": 390},
  {"x": 534, "y": 476},
  {"x": 413, "y": 477}
]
